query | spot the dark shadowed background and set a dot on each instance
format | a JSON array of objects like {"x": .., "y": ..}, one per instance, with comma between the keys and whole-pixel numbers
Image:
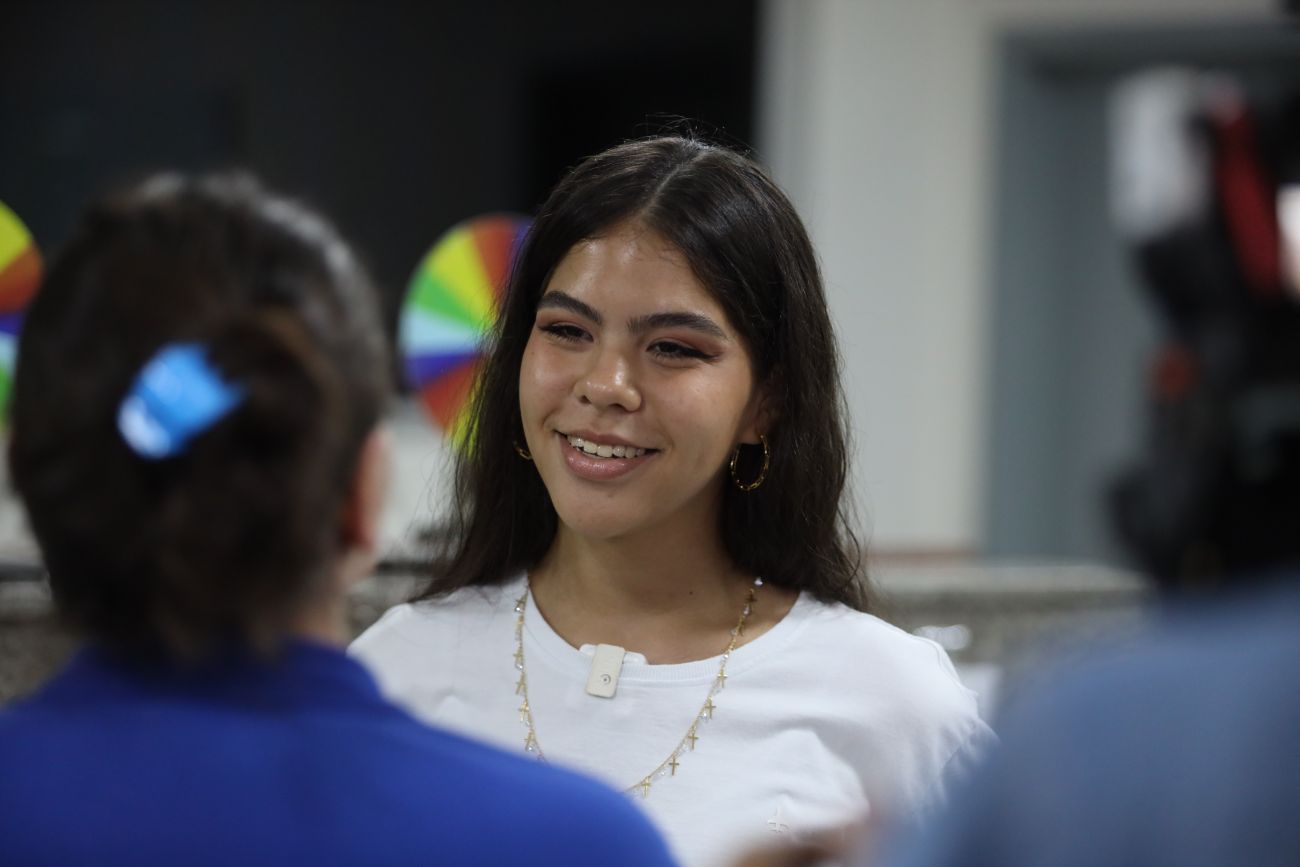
[{"x": 398, "y": 119}]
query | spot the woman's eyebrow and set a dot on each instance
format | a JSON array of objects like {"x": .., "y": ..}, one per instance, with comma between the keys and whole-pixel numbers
[
  {"x": 676, "y": 319},
  {"x": 562, "y": 301},
  {"x": 638, "y": 324}
]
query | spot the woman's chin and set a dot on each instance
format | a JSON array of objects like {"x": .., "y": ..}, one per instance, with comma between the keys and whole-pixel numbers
[{"x": 601, "y": 525}]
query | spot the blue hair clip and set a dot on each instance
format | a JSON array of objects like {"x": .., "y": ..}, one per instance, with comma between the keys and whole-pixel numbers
[{"x": 175, "y": 396}]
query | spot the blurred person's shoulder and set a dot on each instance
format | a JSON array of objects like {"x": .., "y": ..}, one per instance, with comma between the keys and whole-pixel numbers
[
  {"x": 1240, "y": 644},
  {"x": 1198, "y": 715},
  {"x": 395, "y": 790},
  {"x": 1206, "y": 665},
  {"x": 537, "y": 811}
]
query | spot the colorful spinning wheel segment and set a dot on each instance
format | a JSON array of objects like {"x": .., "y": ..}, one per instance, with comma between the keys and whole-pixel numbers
[
  {"x": 20, "y": 275},
  {"x": 451, "y": 303}
]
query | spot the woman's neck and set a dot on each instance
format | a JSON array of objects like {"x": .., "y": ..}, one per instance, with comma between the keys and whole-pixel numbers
[
  {"x": 323, "y": 618},
  {"x": 671, "y": 600},
  {"x": 324, "y": 621}
]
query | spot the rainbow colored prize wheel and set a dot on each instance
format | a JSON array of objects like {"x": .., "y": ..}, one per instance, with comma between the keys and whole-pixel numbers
[
  {"x": 20, "y": 274},
  {"x": 451, "y": 303}
]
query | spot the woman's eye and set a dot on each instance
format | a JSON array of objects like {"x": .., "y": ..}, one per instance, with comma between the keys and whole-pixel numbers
[
  {"x": 672, "y": 350},
  {"x": 564, "y": 331}
]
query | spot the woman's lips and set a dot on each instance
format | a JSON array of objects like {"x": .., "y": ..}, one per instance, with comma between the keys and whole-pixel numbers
[
  {"x": 593, "y": 467},
  {"x": 605, "y": 448}
]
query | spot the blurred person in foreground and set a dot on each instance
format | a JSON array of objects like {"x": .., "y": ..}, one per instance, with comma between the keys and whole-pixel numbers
[
  {"x": 197, "y": 440},
  {"x": 1183, "y": 746}
]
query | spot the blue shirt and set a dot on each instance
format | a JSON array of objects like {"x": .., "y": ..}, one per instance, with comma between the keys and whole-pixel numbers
[
  {"x": 296, "y": 762},
  {"x": 1181, "y": 749}
]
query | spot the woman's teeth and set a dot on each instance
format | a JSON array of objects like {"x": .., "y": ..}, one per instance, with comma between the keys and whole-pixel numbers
[{"x": 600, "y": 451}]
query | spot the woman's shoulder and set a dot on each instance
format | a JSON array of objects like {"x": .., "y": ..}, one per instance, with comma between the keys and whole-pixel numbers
[
  {"x": 871, "y": 675},
  {"x": 432, "y": 622},
  {"x": 837, "y": 624},
  {"x": 878, "y": 657}
]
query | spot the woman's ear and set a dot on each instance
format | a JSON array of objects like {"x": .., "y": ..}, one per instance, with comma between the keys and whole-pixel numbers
[
  {"x": 760, "y": 416},
  {"x": 364, "y": 507}
]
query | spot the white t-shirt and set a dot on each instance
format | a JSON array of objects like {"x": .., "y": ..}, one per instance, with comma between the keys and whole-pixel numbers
[{"x": 830, "y": 714}]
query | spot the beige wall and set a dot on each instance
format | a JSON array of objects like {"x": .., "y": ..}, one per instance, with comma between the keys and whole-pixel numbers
[{"x": 877, "y": 116}]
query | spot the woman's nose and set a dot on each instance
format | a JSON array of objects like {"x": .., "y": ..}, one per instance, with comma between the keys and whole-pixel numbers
[{"x": 609, "y": 382}]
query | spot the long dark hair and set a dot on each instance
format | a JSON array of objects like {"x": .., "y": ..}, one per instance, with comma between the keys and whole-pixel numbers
[
  {"x": 748, "y": 247},
  {"x": 225, "y": 541}
]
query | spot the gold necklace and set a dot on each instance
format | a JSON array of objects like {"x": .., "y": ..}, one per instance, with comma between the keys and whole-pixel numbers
[{"x": 668, "y": 767}]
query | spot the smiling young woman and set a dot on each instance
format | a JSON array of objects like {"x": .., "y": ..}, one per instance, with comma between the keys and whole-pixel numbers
[{"x": 650, "y": 577}]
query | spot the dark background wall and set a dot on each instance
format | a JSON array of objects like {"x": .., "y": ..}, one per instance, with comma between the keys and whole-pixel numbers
[{"x": 398, "y": 119}]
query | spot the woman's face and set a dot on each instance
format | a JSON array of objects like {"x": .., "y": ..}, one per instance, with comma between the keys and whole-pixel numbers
[{"x": 632, "y": 359}]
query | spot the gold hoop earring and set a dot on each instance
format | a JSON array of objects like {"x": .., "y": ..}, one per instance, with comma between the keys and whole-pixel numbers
[
  {"x": 522, "y": 452},
  {"x": 762, "y": 474}
]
